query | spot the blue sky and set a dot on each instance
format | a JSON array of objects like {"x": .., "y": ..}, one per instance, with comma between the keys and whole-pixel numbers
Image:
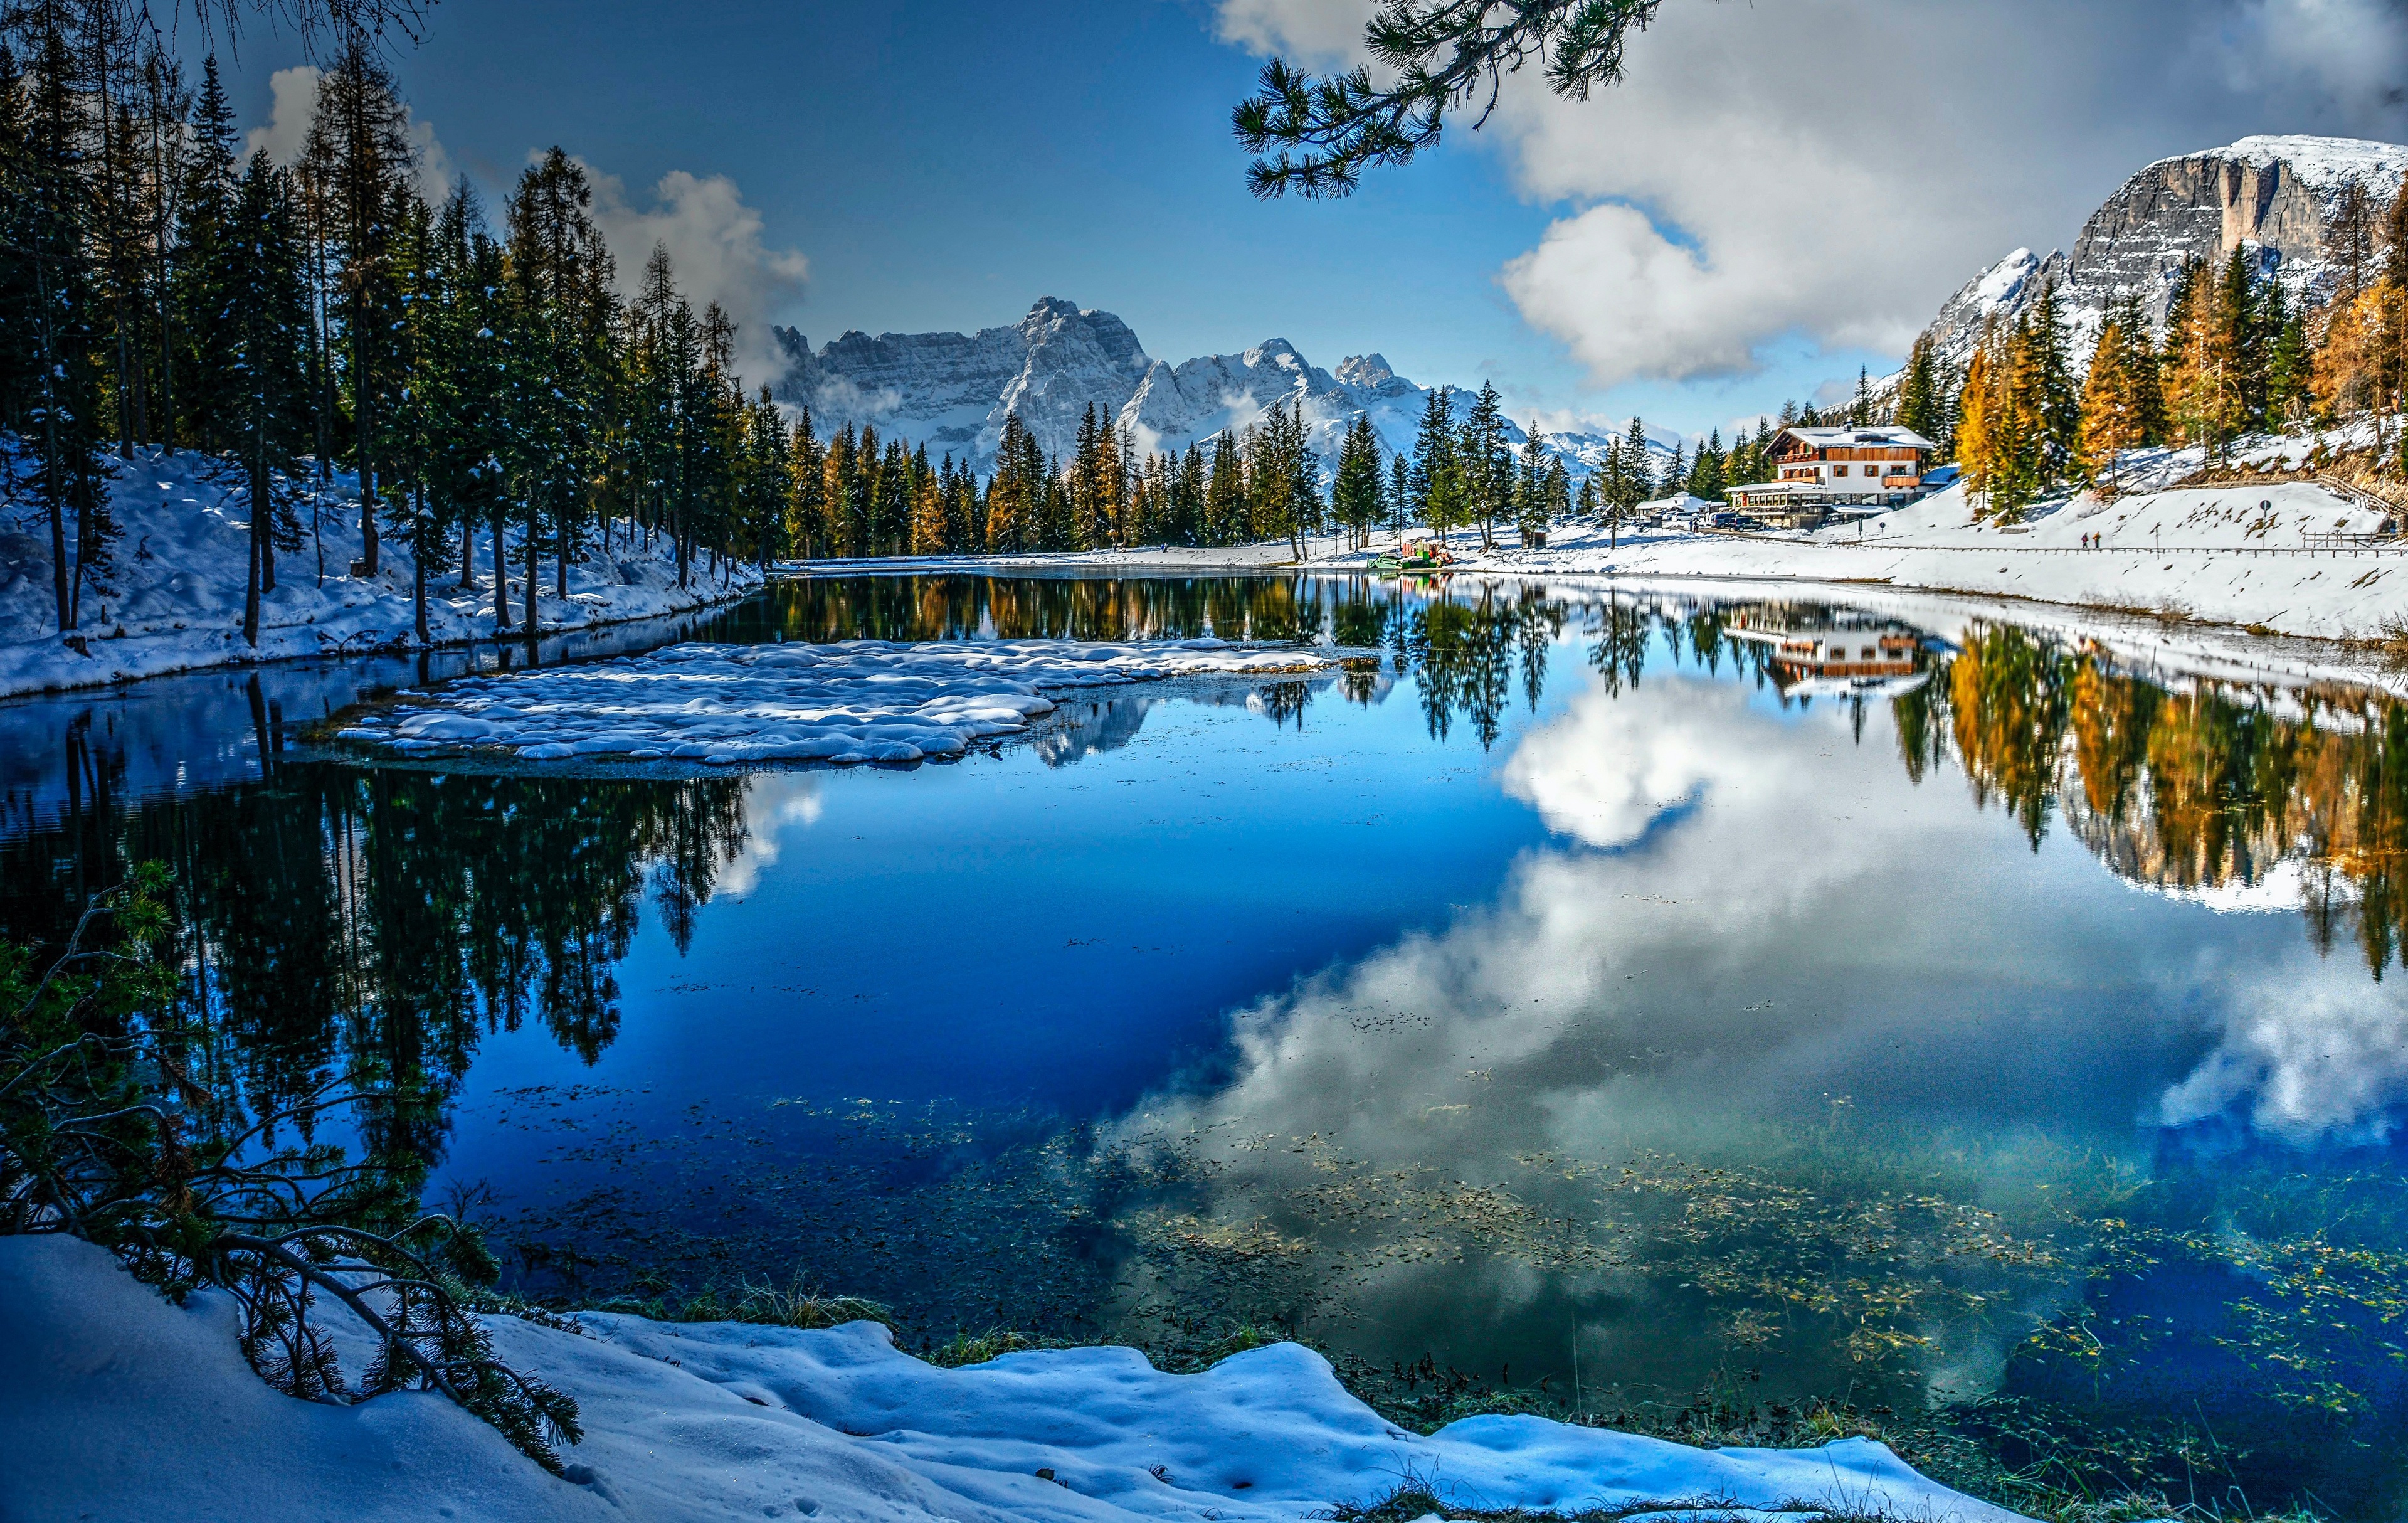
[{"x": 942, "y": 163}]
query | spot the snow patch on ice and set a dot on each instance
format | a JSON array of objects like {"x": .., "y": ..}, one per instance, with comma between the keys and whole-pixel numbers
[{"x": 853, "y": 701}]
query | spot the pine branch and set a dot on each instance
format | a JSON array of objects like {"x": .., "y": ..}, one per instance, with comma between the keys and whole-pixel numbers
[{"x": 1315, "y": 135}]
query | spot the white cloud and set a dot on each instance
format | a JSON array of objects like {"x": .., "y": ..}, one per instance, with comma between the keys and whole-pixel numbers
[
  {"x": 294, "y": 96},
  {"x": 716, "y": 245},
  {"x": 714, "y": 239},
  {"x": 773, "y": 805},
  {"x": 1324, "y": 33},
  {"x": 2302, "y": 1059},
  {"x": 1833, "y": 169},
  {"x": 1770, "y": 973}
]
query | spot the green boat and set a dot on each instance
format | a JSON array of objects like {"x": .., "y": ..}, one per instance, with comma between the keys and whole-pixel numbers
[{"x": 1388, "y": 563}]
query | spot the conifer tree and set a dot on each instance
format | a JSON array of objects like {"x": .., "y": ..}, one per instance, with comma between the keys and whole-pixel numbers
[
  {"x": 1675, "y": 478},
  {"x": 1434, "y": 454},
  {"x": 1225, "y": 494},
  {"x": 560, "y": 281},
  {"x": 1354, "y": 495},
  {"x": 2206, "y": 377},
  {"x": 1484, "y": 455},
  {"x": 359, "y": 146},
  {"x": 1015, "y": 490},
  {"x": 267, "y": 322},
  {"x": 806, "y": 492},
  {"x": 1531, "y": 509},
  {"x": 898, "y": 493},
  {"x": 1706, "y": 471},
  {"x": 1636, "y": 480},
  {"x": 57, "y": 394},
  {"x": 1925, "y": 395},
  {"x": 927, "y": 536},
  {"x": 465, "y": 381},
  {"x": 1187, "y": 516},
  {"x": 2288, "y": 362},
  {"x": 208, "y": 173},
  {"x": 2054, "y": 398},
  {"x": 2111, "y": 416},
  {"x": 411, "y": 421}
]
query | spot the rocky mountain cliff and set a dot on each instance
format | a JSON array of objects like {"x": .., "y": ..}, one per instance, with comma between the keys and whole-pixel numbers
[
  {"x": 951, "y": 392},
  {"x": 2277, "y": 195}
]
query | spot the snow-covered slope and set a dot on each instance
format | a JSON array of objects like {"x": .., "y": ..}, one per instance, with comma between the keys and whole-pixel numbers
[
  {"x": 2278, "y": 194},
  {"x": 173, "y": 598},
  {"x": 952, "y": 392},
  {"x": 117, "y": 1404},
  {"x": 2239, "y": 555}
]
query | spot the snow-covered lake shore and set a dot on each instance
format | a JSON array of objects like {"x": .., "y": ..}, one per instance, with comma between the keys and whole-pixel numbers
[
  {"x": 2244, "y": 555},
  {"x": 118, "y": 1404},
  {"x": 173, "y": 601}
]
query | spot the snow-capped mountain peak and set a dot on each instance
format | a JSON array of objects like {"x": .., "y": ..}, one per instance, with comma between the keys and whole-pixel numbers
[
  {"x": 2275, "y": 196},
  {"x": 952, "y": 392}
]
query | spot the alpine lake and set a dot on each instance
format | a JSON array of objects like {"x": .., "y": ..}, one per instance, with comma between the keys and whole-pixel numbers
[{"x": 1620, "y": 1003}]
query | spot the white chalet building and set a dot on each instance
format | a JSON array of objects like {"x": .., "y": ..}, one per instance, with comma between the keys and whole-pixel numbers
[{"x": 1847, "y": 470}]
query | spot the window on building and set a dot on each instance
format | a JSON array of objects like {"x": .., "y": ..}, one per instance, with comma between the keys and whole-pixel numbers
[
  {"x": 1838, "y": 470},
  {"x": 1868, "y": 653}
]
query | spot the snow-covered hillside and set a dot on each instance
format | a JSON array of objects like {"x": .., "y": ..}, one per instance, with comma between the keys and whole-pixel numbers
[
  {"x": 173, "y": 598},
  {"x": 2244, "y": 554},
  {"x": 119, "y": 1404},
  {"x": 2277, "y": 195},
  {"x": 951, "y": 392}
]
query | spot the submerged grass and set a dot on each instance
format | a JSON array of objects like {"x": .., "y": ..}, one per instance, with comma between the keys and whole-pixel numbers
[
  {"x": 2183, "y": 1343},
  {"x": 766, "y": 1304}
]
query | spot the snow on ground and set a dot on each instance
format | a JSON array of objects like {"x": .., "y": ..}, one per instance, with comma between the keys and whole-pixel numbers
[
  {"x": 2241, "y": 555},
  {"x": 174, "y": 599},
  {"x": 2238, "y": 555},
  {"x": 119, "y": 1404},
  {"x": 854, "y": 701},
  {"x": 2226, "y": 555}
]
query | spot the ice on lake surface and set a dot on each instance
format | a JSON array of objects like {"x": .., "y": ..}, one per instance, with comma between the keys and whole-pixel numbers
[
  {"x": 1610, "y": 995},
  {"x": 847, "y": 702}
]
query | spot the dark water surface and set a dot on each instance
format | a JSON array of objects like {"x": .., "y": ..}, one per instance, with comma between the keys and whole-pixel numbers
[{"x": 1607, "y": 999}]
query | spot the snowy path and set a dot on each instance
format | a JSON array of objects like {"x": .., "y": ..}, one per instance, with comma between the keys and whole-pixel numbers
[{"x": 117, "y": 1404}]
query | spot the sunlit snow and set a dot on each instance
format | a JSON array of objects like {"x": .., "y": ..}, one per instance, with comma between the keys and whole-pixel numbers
[{"x": 853, "y": 701}]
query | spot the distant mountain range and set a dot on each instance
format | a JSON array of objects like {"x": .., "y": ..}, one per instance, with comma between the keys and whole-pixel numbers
[
  {"x": 2278, "y": 196},
  {"x": 953, "y": 391}
]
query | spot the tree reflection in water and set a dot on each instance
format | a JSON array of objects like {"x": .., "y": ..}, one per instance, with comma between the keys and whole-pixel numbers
[
  {"x": 380, "y": 920},
  {"x": 2211, "y": 789}
]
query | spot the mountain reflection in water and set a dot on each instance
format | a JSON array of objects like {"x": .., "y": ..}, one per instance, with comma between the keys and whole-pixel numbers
[{"x": 1637, "y": 1011}]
